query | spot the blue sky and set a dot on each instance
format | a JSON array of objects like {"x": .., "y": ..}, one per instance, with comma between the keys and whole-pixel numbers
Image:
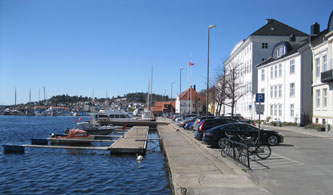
[{"x": 76, "y": 47}]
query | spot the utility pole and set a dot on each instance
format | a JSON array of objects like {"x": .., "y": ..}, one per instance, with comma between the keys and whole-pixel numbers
[{"x": 180, "y": 88}]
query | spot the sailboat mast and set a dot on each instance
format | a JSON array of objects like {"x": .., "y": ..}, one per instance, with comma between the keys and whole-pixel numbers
[
  {"x": 148, "y": 98},
  {"x": 30, "y": 95},
  {"x": 151, "y": 84},
  {"x": 15, "y": 96}
]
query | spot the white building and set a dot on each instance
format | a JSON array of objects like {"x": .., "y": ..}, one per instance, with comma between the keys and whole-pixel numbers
[
  {"x": 285, "y": 78},
  {"x": 190, "y": 101},
  {"x": 252, "y": 51},
  {"x": 321, "y": 45}
]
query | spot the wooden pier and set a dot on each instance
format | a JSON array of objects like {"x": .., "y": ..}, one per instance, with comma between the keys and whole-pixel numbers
[{"x": 133, "y": 142}]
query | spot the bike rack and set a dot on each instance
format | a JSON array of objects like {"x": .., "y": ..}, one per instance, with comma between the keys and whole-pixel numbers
[{"x": 235, "y": 145}]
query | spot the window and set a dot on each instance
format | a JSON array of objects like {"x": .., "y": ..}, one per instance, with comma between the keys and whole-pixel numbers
[
  {"x": 280, "y": 51},
  {"x": 292, "y": 90},
  {"x": 271, "y": 110},
  {"x": 262, "y": 59},
  {"x": 292, "y": 110},
  {"x": 280, "y": 70},
  {"x": 324, "y": 98},
  {"x": 317, "y": 68},
  {"x": 262, "y": 74},
  {"x": 262, "y": 90},
  {"x": 275, "y": 110},
  {"x": 275, "y": 72},
  {"x": 264, "y": 45},
  {"x": 324, "y": 63},
  {"x": 292, "y": 66},
  {"x": 280, "y": 90},
  {"x": 271, "y": 91},
  {"x": 280, "y": 109},
  {"x": 272, "y": 72},
  {"x": 275, "y": 91},
  {"x": 317, "y": 98}
]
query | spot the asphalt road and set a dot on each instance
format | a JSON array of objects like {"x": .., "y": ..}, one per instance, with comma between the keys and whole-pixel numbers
[{"x": 303, "y": 164}]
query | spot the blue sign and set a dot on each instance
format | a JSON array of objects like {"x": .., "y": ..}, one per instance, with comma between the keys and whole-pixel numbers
[{"x": 260, "y": 97}]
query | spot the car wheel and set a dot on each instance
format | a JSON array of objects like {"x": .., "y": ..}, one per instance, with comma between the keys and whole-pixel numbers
[
  {"x": 220, "y": 142},
  {"x": 272, "y": 140}
]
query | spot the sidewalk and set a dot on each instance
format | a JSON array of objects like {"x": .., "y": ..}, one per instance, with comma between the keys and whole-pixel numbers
[
  {"x": 302, "y": 130},
  {"x": 196, "y": 169}
]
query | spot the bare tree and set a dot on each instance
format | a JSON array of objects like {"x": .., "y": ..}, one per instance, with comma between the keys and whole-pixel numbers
[
  {"x": 234, "y": 85},
  {"x": 220, "y": 91}
]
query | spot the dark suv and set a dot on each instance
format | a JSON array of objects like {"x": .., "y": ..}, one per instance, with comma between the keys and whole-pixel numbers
[{"x": 210, "y": 123}]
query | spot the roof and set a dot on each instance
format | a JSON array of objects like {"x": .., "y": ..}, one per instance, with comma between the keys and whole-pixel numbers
[
  {"x": 160, "y": 106},
  {"x": 276, "y": 28},
  {"x": 191, "y": 93},
  {"x": 292, "y": 49}
]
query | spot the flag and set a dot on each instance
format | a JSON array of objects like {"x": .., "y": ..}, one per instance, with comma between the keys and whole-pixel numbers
[{"x": 190, "y": 63}]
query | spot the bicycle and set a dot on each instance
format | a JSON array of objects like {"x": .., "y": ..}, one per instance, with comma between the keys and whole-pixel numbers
[
  {"x": 226, "y": 148},
  {"x": 261, "y": 150}
]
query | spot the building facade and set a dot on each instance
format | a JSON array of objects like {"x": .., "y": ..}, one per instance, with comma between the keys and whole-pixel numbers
[
  {"x": 285, "y": 79},
  {"x": 321, "y": 45},
  {"x": 252, "y": 51},
  {"x": 190, "y": 101}
]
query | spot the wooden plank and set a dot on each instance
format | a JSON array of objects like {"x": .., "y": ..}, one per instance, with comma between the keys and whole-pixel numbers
[
  {"x": 68, "y": 147},
  {"x": 129, "y": 143}
]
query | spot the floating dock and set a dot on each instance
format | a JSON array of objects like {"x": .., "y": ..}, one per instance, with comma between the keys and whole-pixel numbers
[{"x": 134, "y": 141}]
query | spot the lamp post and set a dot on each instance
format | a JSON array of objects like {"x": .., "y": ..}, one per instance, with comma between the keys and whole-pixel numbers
[
  {"x": 207, "y": 96},
  {"x": 180, "y": 88},
  {"x": 171, "y": 89}
]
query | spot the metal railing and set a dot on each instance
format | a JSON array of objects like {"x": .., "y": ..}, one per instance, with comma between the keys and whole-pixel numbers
[
  {"x": 239, "y": 152},
  {"x": 327, "y": 76}
]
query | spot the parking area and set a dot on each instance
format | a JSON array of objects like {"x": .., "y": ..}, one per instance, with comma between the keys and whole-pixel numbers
[
  {"x": 303, "y": 164},
  {"x": 274, "y": 161}
]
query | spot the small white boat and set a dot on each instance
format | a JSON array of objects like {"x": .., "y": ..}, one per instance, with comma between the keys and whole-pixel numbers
[{"x": 95, "y": 129}]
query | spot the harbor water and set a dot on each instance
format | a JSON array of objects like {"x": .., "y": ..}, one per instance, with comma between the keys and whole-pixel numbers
[{"x": 63, "y": 171}]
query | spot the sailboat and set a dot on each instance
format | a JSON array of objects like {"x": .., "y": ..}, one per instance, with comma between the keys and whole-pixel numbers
[
  {"x": 12, "y": 111},
  {"x": 147, "y": 112}
]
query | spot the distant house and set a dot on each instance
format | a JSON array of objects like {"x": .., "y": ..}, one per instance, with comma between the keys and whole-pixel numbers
[
  {"x": 163, "y": 107},
  {"x": 322, "y": 48},
  {"x": 285, "y": 78},
  {"x": 190, "y": 101}
]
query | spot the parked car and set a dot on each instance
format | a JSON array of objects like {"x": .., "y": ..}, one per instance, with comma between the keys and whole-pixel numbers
[
  {"x": 189, "y": 125},
  {"x": 242, "y": 119},
  {"x": 186, "y": 120},
  {"x": 199, "y": 120},
  {"x": 214, "y": 136},
  {"x": 210, "y": 123}
]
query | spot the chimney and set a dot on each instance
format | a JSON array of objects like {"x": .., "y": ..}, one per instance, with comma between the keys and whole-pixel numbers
[
  {"x": 269, "y": 20},
  {"x": 315, "y": 29},
  {"x": 292, "y": 38},
  {"x": 194, "y": 87}
]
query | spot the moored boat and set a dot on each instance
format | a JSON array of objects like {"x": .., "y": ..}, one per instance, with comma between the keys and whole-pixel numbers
[
  {"x": 74, "y": 137},
  {"x": 94, "y": 129}
]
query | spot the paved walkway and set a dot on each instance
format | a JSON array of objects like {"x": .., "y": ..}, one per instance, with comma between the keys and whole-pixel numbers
[
  {"x": 196, "y": 169},
  {"x": 302, "y": 130}
]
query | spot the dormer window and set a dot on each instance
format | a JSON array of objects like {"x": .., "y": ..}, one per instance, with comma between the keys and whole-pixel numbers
[{"x": 280, "y": 51}]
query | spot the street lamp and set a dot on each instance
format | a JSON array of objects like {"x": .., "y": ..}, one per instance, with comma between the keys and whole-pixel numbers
[
  {"x": 207, "y": 96},
  {"x": 171, "y": 89},
  {"x": 180, "y": 87}
]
